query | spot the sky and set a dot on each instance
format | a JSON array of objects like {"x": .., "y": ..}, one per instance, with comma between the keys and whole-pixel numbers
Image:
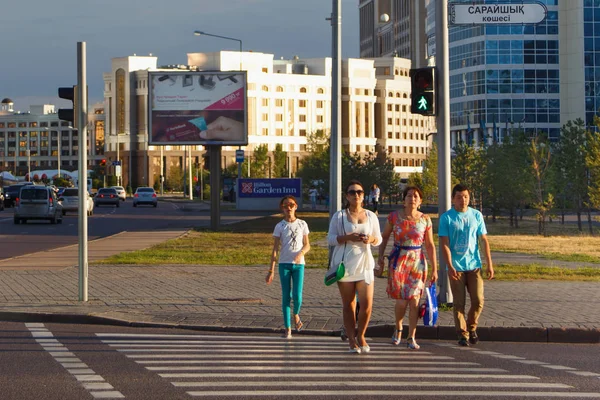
[{"x": 38, "y": 50}]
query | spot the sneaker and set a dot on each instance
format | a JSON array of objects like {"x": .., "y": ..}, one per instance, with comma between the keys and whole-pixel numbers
[
  {"x": 463, "y": 342},
  {"x": 473, "y": 338}
]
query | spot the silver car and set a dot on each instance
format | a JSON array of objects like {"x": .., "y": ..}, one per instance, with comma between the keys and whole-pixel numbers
[
  {"x": 37, "y": 202},
  {"x": 120, "y": 192},
  {"x": 70, "y": 201},
  {"x": 145, "y": 195}
]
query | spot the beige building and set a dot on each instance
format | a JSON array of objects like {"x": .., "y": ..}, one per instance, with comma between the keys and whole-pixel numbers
[
  {"x": 287, "y": 100},
  {"x": 33, "y": 140}
]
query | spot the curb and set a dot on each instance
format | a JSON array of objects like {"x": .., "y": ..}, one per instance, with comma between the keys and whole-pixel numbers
[{"x": 447, "y": 333}]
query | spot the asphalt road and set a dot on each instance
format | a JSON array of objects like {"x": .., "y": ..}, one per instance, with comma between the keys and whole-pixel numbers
[
  {"x": 35, "y": 236},
  {"x": 50, "y": 361}
]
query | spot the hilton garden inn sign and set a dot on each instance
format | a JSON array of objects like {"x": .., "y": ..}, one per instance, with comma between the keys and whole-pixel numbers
[{"x": 474, "y": 14}]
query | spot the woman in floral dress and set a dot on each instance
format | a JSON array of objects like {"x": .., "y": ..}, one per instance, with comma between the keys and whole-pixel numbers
[{"x": 408, "y": 266}]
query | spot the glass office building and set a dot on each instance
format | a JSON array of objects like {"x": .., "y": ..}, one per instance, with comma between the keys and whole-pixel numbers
[{"x": 531, "y": 77}]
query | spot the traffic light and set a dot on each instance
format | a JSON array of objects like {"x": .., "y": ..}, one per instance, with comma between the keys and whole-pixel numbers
[
  {"x": 68, "y": 114},
  {"x": 103, "y": 162},
  {"x": 423, "y": 91}
]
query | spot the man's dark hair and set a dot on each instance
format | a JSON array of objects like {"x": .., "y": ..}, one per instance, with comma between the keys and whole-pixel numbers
[{"x": 460, "y": 188}]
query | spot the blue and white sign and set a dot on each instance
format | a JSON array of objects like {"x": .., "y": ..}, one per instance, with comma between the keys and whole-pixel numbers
[
  {"x": 239, "y": 156},
  {"x": 261, "y": 188},
  {"x": 507, "y": 13}
]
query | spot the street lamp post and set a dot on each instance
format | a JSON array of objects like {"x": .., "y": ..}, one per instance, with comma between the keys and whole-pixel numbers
[{"x": 215, "y": 156}]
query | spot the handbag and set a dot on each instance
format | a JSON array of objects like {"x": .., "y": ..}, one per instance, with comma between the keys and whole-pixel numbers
[
  {"x": 431, "y": 307},
  {"x": 336, "y": 272}
]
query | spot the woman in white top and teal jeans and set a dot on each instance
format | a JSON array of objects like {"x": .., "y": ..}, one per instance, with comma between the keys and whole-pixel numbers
[
  {"x": 353, "y": 231},
  {"x": 291, "y": 243}
]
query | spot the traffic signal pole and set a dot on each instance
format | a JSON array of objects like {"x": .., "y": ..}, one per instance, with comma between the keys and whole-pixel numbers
[
  {"x": 81, "y": 109},
  {"x": 443, "y": 129}
]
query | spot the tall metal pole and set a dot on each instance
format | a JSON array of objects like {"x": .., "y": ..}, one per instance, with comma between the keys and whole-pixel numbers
[
  {"x": 83, "y": 194},
  {"x": 335, "y": 185},
  {"x": 161, "y": 176},
  {"x": 190, "y": 192},
  {"x": 59, "y": 151},
  {"x": 215, "y": 187},
  {"x": 443, "y": 128}
]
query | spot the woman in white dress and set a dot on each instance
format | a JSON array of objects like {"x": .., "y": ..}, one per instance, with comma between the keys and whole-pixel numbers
[{"x": 352, "y": 231}]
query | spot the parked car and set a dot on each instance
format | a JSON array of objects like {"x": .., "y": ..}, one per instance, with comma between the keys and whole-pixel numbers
[
  {"x": 121, "y": 192},
  {"x": 37, "y": 203},
  {"x": 106, "y": 196},
  {"x": 145, "y": 195},
  {"x": 12, "y": 192},
  {"x": 70, "y": 201}
]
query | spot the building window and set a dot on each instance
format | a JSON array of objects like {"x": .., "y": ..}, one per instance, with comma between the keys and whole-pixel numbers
[
  {"x": 398, "y": 107},
  {"x": 22, "y": 124},
  {"x": 278, "y": 117},
  {"x": 279, "y": 132},
  {"x": 279, "y": 89},
  {"x": 278, "y": 102},
  {"x": 265, "y": 131},
  {"x": 303, "y": 90},
  {"x": 390, "y": 107},
  {"x": 302, "y": 118},
  {"x": 302, "y": 132},
  {"x": 265, "y": 117},
  {"x": 389, "y": 121},
  {"x": 265, "y": 102},
  {"x": 320, "y": 119},
  {"x": 390, "y": 135},
  {"x": 302, "y": 103},
  {"x": 265, "y": 88},
  {"x": 265, "y": 70},
  {"x": 320, "y": 91}
]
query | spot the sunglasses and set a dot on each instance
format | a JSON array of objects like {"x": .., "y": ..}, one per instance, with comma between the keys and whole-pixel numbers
[
  {"x": 355, "y": 192},
  {"x": 288, "y": 205}
]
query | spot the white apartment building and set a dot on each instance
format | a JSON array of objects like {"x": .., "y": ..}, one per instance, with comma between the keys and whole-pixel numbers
[
  {"x": 287, "y": 100},
  {"x": 33, "y": 140}
]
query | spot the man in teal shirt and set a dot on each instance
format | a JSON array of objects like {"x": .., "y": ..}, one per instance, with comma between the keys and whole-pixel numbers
[{"x": 460, "y": 230}]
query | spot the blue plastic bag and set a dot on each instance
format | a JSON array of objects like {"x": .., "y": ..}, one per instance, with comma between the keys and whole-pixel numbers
[{"x": 431, "y": 307}]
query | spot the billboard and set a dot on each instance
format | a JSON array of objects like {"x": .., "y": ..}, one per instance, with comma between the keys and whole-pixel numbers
[{"x": 197, "y": 108}]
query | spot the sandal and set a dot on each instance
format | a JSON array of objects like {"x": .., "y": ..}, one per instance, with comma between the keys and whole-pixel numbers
[
  {"x": 412, "y": 344},
  {"x": 299, "y": 325},
  {"x": 397, "y": 337}
]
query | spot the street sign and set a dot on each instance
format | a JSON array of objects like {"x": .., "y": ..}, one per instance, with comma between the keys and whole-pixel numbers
[
  {"x": 116, "y": 163},
  {"x": 239, "y": 156},
  {"x": 117, "y": 170},
  {"x": 473, "y": 14}
]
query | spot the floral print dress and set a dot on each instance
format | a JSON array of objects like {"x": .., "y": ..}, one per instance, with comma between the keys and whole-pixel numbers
[{"x": 407, "y": 266}]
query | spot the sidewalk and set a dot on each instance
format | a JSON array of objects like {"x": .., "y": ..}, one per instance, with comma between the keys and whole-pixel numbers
[{"x": 237, "y": 299}]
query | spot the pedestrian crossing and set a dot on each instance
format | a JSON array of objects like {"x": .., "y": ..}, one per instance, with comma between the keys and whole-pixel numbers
[{"x": 230, "y": 366}]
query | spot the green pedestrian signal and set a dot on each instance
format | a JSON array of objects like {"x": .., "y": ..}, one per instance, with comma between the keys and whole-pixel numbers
[{"x": 423, "y": 91}]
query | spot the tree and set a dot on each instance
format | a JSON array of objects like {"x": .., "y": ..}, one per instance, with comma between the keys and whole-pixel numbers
[
  {"x": 468, "y": 167},
  {"x": 571, "y": 165},
  {"x": 174, "y": 179},
  {"x": 539, "y": 152},
  {"x": 260, "y": 162},
  {"x": 592, "y": 162},
  {"x": 430, "y": 176},
  {"x": 280, "y": 158},
  {"x": 314, "y": 168}
]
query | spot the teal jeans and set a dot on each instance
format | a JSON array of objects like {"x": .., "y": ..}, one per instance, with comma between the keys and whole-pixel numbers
[{"x": 292, "y": 280}]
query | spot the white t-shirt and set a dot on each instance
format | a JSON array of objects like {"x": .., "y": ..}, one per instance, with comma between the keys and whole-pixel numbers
[{"x": 291, "y": 236}]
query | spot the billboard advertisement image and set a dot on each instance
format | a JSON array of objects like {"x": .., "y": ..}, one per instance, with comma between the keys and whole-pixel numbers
[{"x": 197, "y": 108}]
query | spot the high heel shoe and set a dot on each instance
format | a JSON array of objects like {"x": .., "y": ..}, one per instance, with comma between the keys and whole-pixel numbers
[
  {"x": 412, "y": 344},
  {"x": 397, "y": 337}
]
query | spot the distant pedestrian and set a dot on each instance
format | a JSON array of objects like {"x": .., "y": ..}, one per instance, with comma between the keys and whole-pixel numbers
[
  {"x": 353, "y": 231},
  {"x": 408, "y": 272},
  {"x": 461, "y": 228},
  {"x": 313, "y": 193},
  {"x": 374, "y": 196},
  {"x": 291, "y": 244}
]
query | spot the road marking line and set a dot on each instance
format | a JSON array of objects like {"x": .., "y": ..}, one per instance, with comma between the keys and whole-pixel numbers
[
  {"x": 83, "y": 371},
  {"x": 508, "y": 357},
  {"x": 72, "y": 364},
  {"x": 97, "y": 386},
  {"x": 530, "y": 385},
  {"x": 287, "y": 360},
  {"x": 245, "y": 350},
  {"x": 420, "y": 393},
  {"x": 559, "y": 367},
  {"x": 107, "y": 395},
  {"x": 293, "y": 356},
  {"x": 263, "y": 338},
  {"x": 531, "y": 362},
  {"x": 359, "y": 367},
  {"x": 393, "y": 375},
  {"x": 584, "y": 373}
]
